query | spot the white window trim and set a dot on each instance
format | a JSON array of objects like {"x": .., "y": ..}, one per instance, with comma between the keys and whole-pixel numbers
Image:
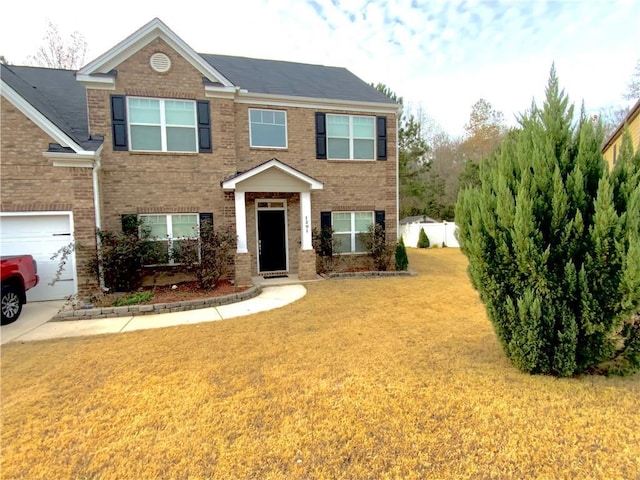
[
  {"x": 353, "y": 231},
  {"x": 170, "y": 238},
  {"x": 352, "y": 138},
  {"x": 163, "y": 125},
  {"x": 286, "y": 132}
]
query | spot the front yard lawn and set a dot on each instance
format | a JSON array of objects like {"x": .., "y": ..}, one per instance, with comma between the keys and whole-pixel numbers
[{"x": 363, "y": 378}]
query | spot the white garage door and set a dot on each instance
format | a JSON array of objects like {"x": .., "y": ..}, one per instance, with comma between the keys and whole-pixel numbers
[{"x": 41, "y": 235}]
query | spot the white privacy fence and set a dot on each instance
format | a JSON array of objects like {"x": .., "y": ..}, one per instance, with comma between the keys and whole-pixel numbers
[{"x": 438, "y": 233}]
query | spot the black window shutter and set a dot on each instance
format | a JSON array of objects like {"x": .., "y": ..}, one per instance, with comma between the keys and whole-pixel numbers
[
  {"x": 205, "y": 219},
  {"x": 325, "y": 234},
  {"x": 325, "y": 219},
  {"x": 204, "y": 127},
  {"x": 380, "y": 218},
  {"x": 381, "y": 137},
  {"x": 321, "y": 136},
  {"x": 129, "y": 224},
  {"x": 119, "y": 122}
]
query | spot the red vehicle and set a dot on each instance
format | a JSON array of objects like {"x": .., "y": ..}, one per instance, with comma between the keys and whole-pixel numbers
[{"x": 17, "y": 275}]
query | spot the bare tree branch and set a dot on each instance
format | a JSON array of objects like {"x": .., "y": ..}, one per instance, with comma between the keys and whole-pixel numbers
[{"x": 58, "y": 52}]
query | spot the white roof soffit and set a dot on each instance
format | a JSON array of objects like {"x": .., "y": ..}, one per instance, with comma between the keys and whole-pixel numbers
[
  {"x": 232, "y": 183},
  {"x": 43, "y": 122},
  {"x": 140, "y": 38}
]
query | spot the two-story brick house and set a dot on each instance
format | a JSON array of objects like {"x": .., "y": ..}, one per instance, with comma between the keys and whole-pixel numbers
[{"x": 153, "y": 129}]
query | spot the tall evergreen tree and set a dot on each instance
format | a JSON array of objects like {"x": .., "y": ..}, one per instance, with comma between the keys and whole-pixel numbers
[
  {"x": 412, "y": 160},
  {"x": 553, "y": 242}
]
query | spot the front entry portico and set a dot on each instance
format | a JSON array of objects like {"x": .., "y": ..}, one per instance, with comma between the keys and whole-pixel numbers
[{"x": 268, "y": 224}]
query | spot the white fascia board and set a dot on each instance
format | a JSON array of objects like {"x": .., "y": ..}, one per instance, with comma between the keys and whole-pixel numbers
[
  {"x": 213, "y": 91},
  {"x": 232, "y": 184},
  {"x": 39, "y": 119},
  {"x": 311, "y": 102},
  {"x": 142, "y": 37},
  {"x": 68, "y": 159},
  {"x": 97, "y": 82}
]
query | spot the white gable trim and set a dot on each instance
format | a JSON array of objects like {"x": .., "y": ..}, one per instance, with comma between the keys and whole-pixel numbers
[
  {"x": 40, "y": 120},
  {"x": 232, "y": 184},
  {"x": 142, "y": 37}
]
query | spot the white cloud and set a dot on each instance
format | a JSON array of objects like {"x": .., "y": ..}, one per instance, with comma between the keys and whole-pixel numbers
[{"x": 444, "y": 55}]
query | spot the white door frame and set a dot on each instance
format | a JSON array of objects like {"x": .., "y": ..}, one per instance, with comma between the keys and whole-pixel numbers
[{"x": 283, "y": 208}]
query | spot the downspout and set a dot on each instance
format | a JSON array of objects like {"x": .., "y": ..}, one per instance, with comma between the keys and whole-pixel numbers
[
  {"x": 398, "y": 173},
  {"x": 97, "y": 166}
]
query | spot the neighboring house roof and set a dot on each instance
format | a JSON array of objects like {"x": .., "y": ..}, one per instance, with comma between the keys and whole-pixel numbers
[
  {"x": 296, "y": 79},
  {"x": 633, "y": 113},
  {"x": 417, "y": 219},
  {"x": 55, "y": 94}
]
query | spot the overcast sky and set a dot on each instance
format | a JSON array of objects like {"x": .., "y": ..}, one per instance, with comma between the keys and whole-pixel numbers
[{"x": 442, "y": 55}]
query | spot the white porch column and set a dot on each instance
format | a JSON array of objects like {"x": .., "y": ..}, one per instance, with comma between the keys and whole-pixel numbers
[
  {"x": 305, "y": 220},
  {"x": 241, "y": 222}
]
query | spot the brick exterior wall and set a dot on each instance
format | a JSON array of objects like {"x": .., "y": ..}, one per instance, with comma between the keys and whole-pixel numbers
[
  {"x": 30, "y": 183},
  {"x": 136, "y": 182},
  {"x": 348, "y": 185}
]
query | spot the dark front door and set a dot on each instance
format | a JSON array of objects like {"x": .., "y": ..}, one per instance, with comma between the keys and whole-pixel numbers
[{"x": 272, "y": 254}]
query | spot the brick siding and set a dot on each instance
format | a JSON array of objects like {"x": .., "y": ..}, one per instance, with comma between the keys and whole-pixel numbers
[
  {"x": 31, "y": 183},
  {"x": 133, "y": 182}
]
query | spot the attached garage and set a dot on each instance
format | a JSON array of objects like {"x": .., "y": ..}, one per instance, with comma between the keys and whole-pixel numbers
[{"x": 41, "y": 234}]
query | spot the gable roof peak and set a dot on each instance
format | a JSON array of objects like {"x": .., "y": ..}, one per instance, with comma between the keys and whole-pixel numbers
[{"x": 152, "y": 30}]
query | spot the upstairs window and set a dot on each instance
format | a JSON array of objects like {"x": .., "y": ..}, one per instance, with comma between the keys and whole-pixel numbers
[
  {"x": 350, "y": 137},
  {"x": 268, "y": 128},
  {"x": 161, "y": 125}
]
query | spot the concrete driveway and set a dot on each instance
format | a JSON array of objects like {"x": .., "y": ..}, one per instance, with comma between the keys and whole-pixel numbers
[{"x": 33, "y": 315}]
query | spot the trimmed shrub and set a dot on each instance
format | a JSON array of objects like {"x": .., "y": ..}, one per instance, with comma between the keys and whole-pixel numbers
[
  {"x": 402, "y": 261},
  {"x": 377, "y": 247},
  {"x": 121, "y": 258},
  {"x": 210, "y": 257},
  {"x": 423, "y": 240}
]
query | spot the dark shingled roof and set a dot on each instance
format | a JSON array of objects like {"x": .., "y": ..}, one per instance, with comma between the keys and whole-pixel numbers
[
  {"x": 296, "y": 79},
  {"x": 60, "y": 98},
  {"x": 55, "y": 94}
]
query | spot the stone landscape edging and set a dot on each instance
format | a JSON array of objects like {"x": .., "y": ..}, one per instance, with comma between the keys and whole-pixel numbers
[
  {"x": 137, "y": 310},
  {"x": 374, "y": 273}
]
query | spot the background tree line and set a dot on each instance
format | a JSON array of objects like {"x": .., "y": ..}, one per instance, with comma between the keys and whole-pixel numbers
[{"x": 434, "y": 165}]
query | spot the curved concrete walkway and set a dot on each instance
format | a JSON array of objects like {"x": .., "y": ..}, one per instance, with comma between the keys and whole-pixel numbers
[{"x": 271, "y": 297}]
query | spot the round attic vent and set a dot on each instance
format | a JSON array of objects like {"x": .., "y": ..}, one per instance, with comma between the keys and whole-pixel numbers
[{"x": 160, "y": 62}]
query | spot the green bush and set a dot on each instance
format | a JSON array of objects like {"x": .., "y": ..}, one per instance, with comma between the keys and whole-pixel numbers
[
  {"x": 377, "y": 247},
  {"x": 423, "y": 240},
  {"x": 325, "y": 244},
  {"x": 553, "y": 242},
  {"x": 210, "y": 257},
  {"x": 402, "y": 261},
  {"x": 134, "y": 299},
  {"x": 121, "y": 258}
]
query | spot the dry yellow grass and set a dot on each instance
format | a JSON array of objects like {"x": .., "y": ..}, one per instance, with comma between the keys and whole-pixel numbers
[{"x": 363, "y": 378}]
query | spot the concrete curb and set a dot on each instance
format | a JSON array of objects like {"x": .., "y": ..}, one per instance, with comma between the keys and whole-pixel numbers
[{"x": 138, "y": 310}]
